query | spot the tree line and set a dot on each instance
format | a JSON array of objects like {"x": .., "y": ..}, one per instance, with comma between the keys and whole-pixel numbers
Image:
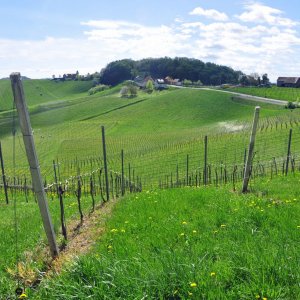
[{"x": 182, "y": 68}]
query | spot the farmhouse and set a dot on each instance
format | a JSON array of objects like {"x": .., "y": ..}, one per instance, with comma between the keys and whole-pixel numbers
[{"x": 288, "y": 82}]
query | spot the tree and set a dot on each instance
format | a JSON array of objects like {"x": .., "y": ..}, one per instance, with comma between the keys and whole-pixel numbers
[
  {"x": 149, "y": 86},
  {"x": 265, "y": 79},
  {"x": 124, "y": 92},
  {"x": 132, "y": 90}
]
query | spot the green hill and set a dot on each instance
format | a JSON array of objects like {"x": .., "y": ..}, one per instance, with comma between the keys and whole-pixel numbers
[{"x": 39, "y": 91}]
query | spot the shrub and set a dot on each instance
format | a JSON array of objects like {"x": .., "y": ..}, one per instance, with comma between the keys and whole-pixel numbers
[
  {"x": 291, "y": 105},
  {"x": 97, "y": 89}
]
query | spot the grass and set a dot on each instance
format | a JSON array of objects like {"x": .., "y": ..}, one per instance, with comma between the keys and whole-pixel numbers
[
  {"x": 279, "y": 93},
  {"x": 168, "y": 125},
  {"x": 176, "y": 244},
  {"x": 192, "y": 243},
  {"x": 31, "y": 236}
]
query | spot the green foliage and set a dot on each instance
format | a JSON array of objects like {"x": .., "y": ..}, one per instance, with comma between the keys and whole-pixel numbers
[
  {"x": 291, "y": 105},
  {"x": 149, "y": 86},
  {"x": 179, "y": 67},
  {"x": 98, "y": 88},
  {"x": 187, "y": 82},
  {"x": 192, "y": 243}
]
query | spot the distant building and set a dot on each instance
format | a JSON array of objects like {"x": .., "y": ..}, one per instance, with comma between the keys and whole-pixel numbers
[{"x": 288, "y": 82}]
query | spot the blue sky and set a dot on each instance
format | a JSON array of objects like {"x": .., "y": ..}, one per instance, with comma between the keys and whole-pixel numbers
[{"x": 44, "y": 37}]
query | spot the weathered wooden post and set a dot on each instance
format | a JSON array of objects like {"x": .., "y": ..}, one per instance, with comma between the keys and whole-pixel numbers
[
  {"x": 37, "y": 181},
  {"x": 250, "y": 151},
  {"x": 187, "y": 170},
  {"x": 122, "y": 178},
  {"x": 289, "y": 152},
  {"x": 3, "y": 175},
  {"x": 205, "y": 161},
  {"x": 105, "y": 163}
]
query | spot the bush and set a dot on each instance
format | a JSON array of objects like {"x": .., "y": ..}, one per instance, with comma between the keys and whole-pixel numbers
[
  {"x": 291, "y": 105},
  {"x": 97, "y": 89}
]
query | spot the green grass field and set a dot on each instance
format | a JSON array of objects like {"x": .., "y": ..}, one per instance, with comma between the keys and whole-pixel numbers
[
  {"x": 202, "y": 243},
  {"x": 191, "y": 244},
  {"x": 168, "y": 125},
  {"x": 288, "y": 94}
]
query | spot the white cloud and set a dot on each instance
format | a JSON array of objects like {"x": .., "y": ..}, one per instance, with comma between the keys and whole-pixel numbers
[
  {"x": 209, "y": 13},
  {"x": 250, "y": 47},
  {"x": 259, "y": 13}
]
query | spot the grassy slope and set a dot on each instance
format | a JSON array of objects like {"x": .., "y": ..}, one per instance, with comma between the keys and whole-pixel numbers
[
  {"x": 288, "y": 94},
  {"x": 192, "y": 243},
  {"x": 40, "y": 91}
]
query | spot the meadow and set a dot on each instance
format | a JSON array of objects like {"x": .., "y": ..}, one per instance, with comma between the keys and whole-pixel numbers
[
  {"x": 189, "y": 243},
  {"x": 203, "y": 243}
]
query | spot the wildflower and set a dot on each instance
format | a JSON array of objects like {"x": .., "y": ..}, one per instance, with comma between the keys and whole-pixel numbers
[
  {"x": 109, "y": 247},
  {"x": 223, "y": 226},
  {"x": 264, "y": 298},
  {"x": 22, "y": 296},
  {"x": 194, "y": 231},
  {"x": 193, "y": 284},
  {"x": 122, "y": 230},
  {"x": 184, "y": 223},
  {"x": 215, "y": 231},
  {"x": 114, "y": 230},
  {"x": 257, "y": 296},
  {"x": 182, "y": 234},
  {"x": 190, "y": 294},
  {"x": 212, "y": 274}
]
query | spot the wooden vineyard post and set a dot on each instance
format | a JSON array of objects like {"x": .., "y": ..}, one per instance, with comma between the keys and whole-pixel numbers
[
  {"x": 105, "y": 164},
  {"x": 205, "y": 161},
  {"x": 122, "y": 179},
  {"x": 250, "y": 151},
  {"x": 187, "y": 170},
  {"x": 3, "y": 175},
  {"x": 288, "y": 153},
  {"x": 37, "y": 181}
]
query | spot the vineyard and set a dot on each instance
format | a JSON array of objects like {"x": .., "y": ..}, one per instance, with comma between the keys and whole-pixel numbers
[
  {"x": 170, "y": 139},
  {"x": 288, "y": 94}
]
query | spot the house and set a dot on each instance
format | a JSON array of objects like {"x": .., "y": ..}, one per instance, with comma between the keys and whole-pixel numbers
[
  {"x": 288, "y": 82},
  {"x": 170, "y": 80}
]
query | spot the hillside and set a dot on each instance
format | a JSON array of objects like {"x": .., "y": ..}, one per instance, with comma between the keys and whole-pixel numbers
[
  {"x": 153, "y": 243},
  {"x": 39, "y": 91}
]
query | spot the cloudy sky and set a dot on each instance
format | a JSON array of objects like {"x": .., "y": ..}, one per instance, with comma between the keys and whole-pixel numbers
[{"x": 43, "y": 37}]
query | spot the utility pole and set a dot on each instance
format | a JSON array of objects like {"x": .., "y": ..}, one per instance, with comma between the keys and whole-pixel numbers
[{"x": 19, "y": 98}]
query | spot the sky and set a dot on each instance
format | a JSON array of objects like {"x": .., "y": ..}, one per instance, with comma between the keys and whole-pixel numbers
[{"x": 41, "y": 38}]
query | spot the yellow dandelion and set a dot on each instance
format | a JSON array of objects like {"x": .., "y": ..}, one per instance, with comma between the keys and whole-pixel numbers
[
  {"x": 114, "y": 230},
  {"x": 223, "y": 226},
  {"x": 182, "y": 234},
  {"x": 212, "y": 274},
  {"x": 193, "y": 284},
  {"x": 109, "y": 247},
  {"x": 184, "y": 223},
  {"x": 190, "y": 294},
  {"x": 194, "y": 231},
  {"x": 22, "y": 296},
  {"x": 264, "y": 298}
]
